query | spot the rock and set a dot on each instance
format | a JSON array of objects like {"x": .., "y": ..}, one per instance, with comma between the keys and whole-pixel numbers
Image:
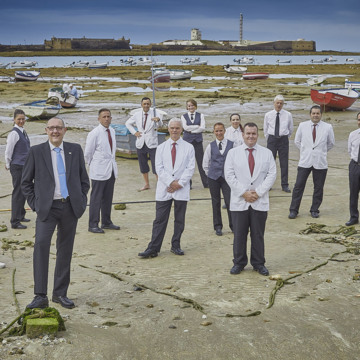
[
  {"x": 120, "y": 207},
  {"x": 206, "y": 323},
  {"x": 41, "y": 326}
]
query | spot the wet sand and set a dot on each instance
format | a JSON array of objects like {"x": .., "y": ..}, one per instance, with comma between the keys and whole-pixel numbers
[{"x": 190, "y": 307}]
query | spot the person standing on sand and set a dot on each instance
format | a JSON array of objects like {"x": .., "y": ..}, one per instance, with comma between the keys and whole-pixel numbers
[
  {"x": 16, "y": 152},
  {"x": 213, "y": 165},
  {"x": 235, "y": 131},
  {"x": 278, "y": 127},
  {"x": 175, "y": 164},
  {"x": 146, "y": 123},
  {"x": 100, "y": 150},
  {"x": 193, "y": 124},
  {"x": 55, "y": 184},
  {"x": 354, "y": 173},
  {"x": 250, "y": 171},
  {"x": 314, "y": 138}
]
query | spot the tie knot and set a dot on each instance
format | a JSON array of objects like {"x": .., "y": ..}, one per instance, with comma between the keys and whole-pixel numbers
[
  {"x": 108, "y": 130},
  {"x": 250, "y": 150},
  {"x": 57, "y": 149},
  {"x": 173, "y": 144}
]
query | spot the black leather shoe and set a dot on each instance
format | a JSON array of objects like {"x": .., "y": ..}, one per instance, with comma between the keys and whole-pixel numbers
[
  {"x": 110, "y": 227},
  {"x": 352, "y": 222},
  {"x": 96, "y": 230},
  {"x": 286, "y": 189},
  {"x": 314, "y": 214},
  {"x": 18, "y": 226},
  {"x": 177, "y": 251},
  {"x": 148, "y": 253},
  {"x": 236, "y": 269},
  {"x": 24, "y": 220},
  {"x": 218, "y": 232},
  {"x": 39, "y": 302},
  {"x": 262, "y": 270},
  {"x": 63, "y": 301},
  {"x": 292, "y": 215}
]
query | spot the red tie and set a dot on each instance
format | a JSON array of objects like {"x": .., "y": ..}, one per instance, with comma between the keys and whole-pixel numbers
[
  {"x": 145, "y": 121},
  {"x": 314, "y": 133},
  {"x": 110, "y": 139},
  {"x": 173, "y": 153},
  {"x": 251, "y": 161}
]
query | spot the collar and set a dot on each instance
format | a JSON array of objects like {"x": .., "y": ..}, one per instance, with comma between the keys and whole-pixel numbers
[
  {"x": 52, "y": 147},
  {"x": 19, "y": 127}
]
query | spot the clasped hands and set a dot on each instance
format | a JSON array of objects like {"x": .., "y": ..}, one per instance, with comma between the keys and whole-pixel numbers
[
  {"x": 174, "y": 186},
  {"x": 250, "y": 196}
]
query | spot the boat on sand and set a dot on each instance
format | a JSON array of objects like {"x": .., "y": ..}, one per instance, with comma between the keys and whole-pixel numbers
[
  {"x": 255, "y": 76},
  {"x": 26, "y": 75},
  {"x": 334, "y": 99},
  {"x": 66, "y": 100},
  {"x": 235, "y": 69},
  {"x": 41, "y": 110}
]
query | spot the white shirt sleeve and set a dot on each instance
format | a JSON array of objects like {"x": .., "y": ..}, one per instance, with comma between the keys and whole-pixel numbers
[{"x": 11, "y": 141}]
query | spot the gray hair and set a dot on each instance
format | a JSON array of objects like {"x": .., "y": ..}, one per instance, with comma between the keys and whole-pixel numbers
[
  {"x": 279, "y": 98},
  {"x": 172, "y": 120}
]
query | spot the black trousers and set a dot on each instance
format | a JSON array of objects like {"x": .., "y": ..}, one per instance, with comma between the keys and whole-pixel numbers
[
  {"x": 61, "y": 216},
  {"x": 161, "y": 220},
  {"x": 100, "y": 200},
  {"x": 215, "y": 186},
  {"x": 244, "y": 221},
  {"x": 280, "y": 146},
  {"x": 17, "y": 197},
  {"x": 143, "y": 155},
  {"x": 319, "y": 176},
  {"x": 199, "y": 154},
  {"x": 354, "y": 184}
]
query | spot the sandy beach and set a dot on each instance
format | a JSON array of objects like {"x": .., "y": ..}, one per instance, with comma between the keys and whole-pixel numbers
[{"x": 190, "y": 307}]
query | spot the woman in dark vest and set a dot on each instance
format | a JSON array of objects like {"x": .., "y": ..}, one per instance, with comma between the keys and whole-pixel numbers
[
  {"x": 194, "y": 125},
  {"x": 213, "y": 165},
  {"x": 16, "y": 152}
]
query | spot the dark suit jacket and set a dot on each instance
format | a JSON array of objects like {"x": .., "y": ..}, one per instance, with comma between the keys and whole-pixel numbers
[{"x": 38, "y": 182}]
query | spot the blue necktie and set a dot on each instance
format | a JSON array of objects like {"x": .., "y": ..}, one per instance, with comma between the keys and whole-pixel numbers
[{"x": 62, "y": 173}]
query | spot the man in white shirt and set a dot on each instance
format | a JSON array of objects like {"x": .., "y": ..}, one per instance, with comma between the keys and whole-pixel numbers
[
  {"x": 354, "y": 173},
  {"x": 175, "y": 164},
  {"x": 99, "y": 154},
  {"x": 250, "y": 171},
  {"x": 314, "y": 138},
  {"x": 144, "y": 124},
  {"x": 278, "y": 127}
]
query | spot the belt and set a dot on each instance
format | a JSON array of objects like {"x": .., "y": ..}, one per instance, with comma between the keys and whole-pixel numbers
[{"x": 63, "y": 200}]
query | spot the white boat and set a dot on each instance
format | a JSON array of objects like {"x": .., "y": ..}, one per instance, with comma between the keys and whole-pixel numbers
[
  {"x": 142, "y": 61},
  {"x": 41, "y": 110},
  {"x": 66, "y": 100},
  {"x": 199, "y": 62},
  {"x": 349, "y": 60},
  {"x": 158, "y": 63},
  {"x": 23, "y": 64},
  {"x": 315, "y": 61},
  {"x": 81, "y": 64},
  {"x": 178, "y": 74},
  {"x": 4, "y": 66},
  {"x": 330, "y": 59},
  {"x": 96, "y": 65},
  {"x": 245, "y": 60},
  {"x": 283, "y": 61},
  {"x": 5, "y": 79},
  {"x": 355, "y": 85},
  {"x": 235, "y": 69},
  {"x": 26, "y": 75},
  {"x": 185, "y": 60},
  {"x": 316, "y": 80}
]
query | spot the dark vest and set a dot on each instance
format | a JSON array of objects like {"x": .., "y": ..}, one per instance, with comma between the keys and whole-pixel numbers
[
  {"x": 21, "y": 149},
  {"x": 217, "y": 161},
  {"x": 188, "y": 136}
]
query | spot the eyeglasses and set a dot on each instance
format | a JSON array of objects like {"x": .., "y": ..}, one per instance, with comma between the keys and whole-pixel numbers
[{"x": 53, "y": 128}]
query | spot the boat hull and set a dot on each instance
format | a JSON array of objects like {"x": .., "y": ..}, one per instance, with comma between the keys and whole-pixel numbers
[
  {"x": 26, "y": 75},
  {"x": 235, "y": 69},
  {"x": 334, "y": 99},
  {"x": 41, "y": 110},
  {"x": 69, "y": 101},
  {"x": 255, "y": 76}
]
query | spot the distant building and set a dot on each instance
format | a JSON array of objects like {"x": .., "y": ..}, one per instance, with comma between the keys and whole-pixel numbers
[{"x": 195, "y": 34}]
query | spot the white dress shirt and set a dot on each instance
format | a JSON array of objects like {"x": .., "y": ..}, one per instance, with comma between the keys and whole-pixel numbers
[
  {"x": 11, "y": 141},
  {"x": 353, "y": 144},
  {"x": 314, "y": 154},
  {"x": 234, "y": 135},
  {"x": 194, "y": 129},
  {"x": 286, "y": 123},
  {"x": 237, "y": 175},
  {"x": 149, "y": 135},
  {"x": 98, "y": 155},
  {"x": 182, "y": 171},
  {"x": 207, "y": 154},
  {"x": 57, "y": 191}
]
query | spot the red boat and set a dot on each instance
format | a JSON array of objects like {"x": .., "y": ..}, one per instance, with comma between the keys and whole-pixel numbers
[
  {"x": 161, "y": 76},
  {"x": 255, "y": 76},
  {"x": 334, "y": 99}
]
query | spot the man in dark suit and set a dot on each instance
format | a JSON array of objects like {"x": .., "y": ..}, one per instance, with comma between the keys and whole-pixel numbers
[{"x": 58, "y": 195}]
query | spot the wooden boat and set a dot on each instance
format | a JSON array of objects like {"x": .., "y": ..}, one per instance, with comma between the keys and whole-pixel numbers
[
  {"x": 66, "y": 100},
  {"x": 255, "y": 76},
  {"x": 4, "y": 66},
  {"x": 355, "y": 85},
  {"x": 96, "y": 65},
  {"x": 317, "y": 80},
  {"x": 334, "y": 99},
  {"x": 23, "y": 64},
  {"x": 160, "y": 76},
  {"x": 235, "y": 69},
  {"x": 26, "y": 75},
  {"x": 41, "y": 110}
]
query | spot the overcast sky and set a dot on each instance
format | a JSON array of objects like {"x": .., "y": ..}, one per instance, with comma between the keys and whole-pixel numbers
[{"x": 333, "y": 24}]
